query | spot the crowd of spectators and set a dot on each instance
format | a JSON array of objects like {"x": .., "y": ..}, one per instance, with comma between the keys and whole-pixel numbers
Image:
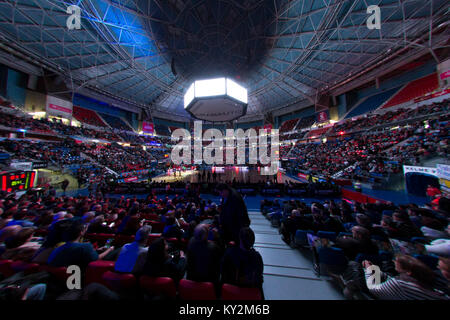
[
  {"x": 410, "y": 244},
  {"x": 60, "y": 231},
  {"x": 118, "y": 158},
  {"x": 378, "y": 152},
  {"x": 23, "y": 123},
  {"x": 370, "y": 120},
  {"x": 57, "y": 153}
]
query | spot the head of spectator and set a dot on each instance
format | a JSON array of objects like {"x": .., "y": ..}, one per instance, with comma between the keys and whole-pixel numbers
[
  {"x": 410, "y": 267},
  {"x": 142, "y": 234},
  {"x": 201, "y": 233},
  {"x": 20, "y": 238},
  {"x": 157, "y": 251},
  {"x": 246, "y": 238},
  {"x": 401, "y": 216},
  {"x": 363, "y": 220},
  {"x": 444, "y": 266},
  {"x": 9, "y": 231},
  {"x": 75, "y": 231},
  {"x": 360, "y": 233},
  {"x": 88, "y": 217},
  {"x": 223, "y": 189}
]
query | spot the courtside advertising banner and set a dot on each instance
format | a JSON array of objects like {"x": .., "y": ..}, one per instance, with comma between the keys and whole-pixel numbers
[{"x": 59, "y": 107}]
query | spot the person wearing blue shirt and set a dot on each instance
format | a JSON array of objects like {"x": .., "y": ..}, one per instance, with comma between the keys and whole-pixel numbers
[
  {"x": 74, "y": 252},
  {"x": 133, "y": 255}
]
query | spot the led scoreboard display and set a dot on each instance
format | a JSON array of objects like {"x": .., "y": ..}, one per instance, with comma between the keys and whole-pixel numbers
[{"x": 17, "y": 181}]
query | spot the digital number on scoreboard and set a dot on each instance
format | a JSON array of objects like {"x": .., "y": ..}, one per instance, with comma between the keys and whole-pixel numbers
[{"x": 17, "y": 181}]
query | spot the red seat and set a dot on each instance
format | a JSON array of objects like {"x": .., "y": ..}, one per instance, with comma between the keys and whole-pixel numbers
[
  {"x": 96, "y": 269},
  {"x": 158, "y": 286},
  {"x": 230, "y": 292},
  {"x": 5, "y": 268},
  {"x": 119, "y": 281},
  {"x": 100, "y": 238},
  {"x": 152, "y": 237},
  {"x": 60, "y": 273},
  {"x": 122, "y": 239},
  {"x": 157, "y": 226},
  {"x": 26, "y": 267},
  {"x": 152, "y": 216},
  {"x": 172, "y": 240},
  {"x": 192, "y": 290}
]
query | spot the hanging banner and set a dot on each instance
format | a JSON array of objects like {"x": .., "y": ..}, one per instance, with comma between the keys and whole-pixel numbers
[
  {"x": 147, "y": 127},
  {"x": 24, "y": 166},
  {"x": 322, "y": 116},
  {"x": 443, "y": 173},
  {"x": 59, "y": 107},
  {"x": 424, "y": 170}
]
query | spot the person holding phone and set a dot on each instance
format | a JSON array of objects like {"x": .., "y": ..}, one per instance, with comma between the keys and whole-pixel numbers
[{"x": 75, "y": 252}]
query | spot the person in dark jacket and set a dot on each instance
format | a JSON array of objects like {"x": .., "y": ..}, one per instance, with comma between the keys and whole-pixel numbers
[
  {"x": 233, "y": 215},
  {"x": 160, "y": 264},
  {"x": 172, "y": 230},
  {"x": 360, "y": 242},
  {"x": 203, "y": 257},
  {"x": 64, "y": 185},
  {"x": 242, "y": 265}
]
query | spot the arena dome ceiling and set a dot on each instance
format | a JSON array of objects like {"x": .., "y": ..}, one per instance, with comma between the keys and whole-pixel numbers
[{"x": 283, "y": 51}]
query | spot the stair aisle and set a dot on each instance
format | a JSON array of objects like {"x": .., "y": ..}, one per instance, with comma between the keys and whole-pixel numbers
[{"x": 288, "y": 273}]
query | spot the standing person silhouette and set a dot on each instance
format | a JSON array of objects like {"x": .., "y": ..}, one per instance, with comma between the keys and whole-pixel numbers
[{"x": 233, "y": 214}]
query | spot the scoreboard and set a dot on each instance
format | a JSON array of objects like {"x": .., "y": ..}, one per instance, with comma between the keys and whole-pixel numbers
[{"x": 17, "y": 181}]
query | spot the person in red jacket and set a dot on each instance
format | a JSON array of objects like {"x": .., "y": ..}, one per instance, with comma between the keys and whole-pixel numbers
[{"x": 432, "y": 192}]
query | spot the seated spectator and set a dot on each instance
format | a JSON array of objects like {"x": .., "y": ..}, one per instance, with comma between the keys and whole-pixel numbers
[
  {"x": 6, "y": 233},
  {"x": 160, "y": 264},
  {"x": 242, "y": 265},
  {"x": 414, "y": 281},
  {"x": 132, "y": 225},
  {"x": 405, "y": 227},
  {"x": 203, "y": 257},
  {"x": 20, "y": 246},
  {"x": 19, "y": 219},
  {"x": 432, "y": 192},
  {"x": 171, "y": 229},
  {"x": 53, "y": 240},
  {"x": 360, "y": 242},
  {"x": 98, "y": 225},
  {"x": 74, "y": 252},
  {"x": 132, "y": 256}
]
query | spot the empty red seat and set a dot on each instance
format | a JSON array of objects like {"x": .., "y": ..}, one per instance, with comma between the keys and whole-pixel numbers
[
  {"x": 231, "y": 292},
  {"x": 192, "y": 290},
  {"x": 152, "y": 237},
  {"x": 96, "y": 269},
  {"x": 414, "y": 89},
  {"x": 87, "y": 116},
  {"x": 26, "y": 267},
  {"x": 119, "y": 281},
  {"x": 159, "y": 286},
  {"x": 5, "y": 268}
]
